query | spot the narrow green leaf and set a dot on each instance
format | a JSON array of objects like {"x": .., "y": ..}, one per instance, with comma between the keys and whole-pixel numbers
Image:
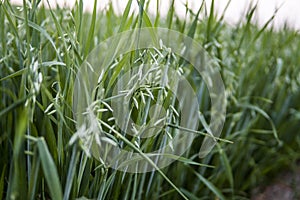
[
  {"x": 125, "y": 16},
  {"x": 49, "y": 170},
  {"x": 91, "y": 31},
  {"x": 227, "y": 165},
  {"x": 211, "y": 186},
  {"x": 263, "y": 113},
  {"x": 2, "y": 182},
  {"x": 33, "y": 183},
  {"x": 71, "y": 172}
]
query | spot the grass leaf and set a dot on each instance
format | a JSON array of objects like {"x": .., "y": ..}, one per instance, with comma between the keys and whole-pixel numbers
[{"x": 49, "y": 169}]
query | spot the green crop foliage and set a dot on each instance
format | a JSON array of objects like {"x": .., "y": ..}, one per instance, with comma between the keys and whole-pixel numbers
[{"x": 42, "y": 49}]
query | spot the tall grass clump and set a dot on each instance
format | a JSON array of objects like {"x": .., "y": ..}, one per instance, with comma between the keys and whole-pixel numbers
[{"x": 41, "y": 50}]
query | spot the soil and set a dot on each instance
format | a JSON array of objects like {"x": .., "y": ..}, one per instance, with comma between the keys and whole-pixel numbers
[{"x": 285, "y": 186}]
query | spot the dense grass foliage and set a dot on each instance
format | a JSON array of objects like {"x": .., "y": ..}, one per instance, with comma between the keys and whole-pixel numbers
[{"x": 40, "y": 53}]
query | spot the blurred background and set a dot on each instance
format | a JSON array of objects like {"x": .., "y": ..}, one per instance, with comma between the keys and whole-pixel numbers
[{"x": 288, "y": 14}]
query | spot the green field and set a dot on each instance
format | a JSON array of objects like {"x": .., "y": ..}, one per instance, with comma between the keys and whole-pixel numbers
[{"x": 41, "y": 51}]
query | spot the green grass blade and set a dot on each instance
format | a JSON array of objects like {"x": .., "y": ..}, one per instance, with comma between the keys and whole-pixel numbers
[
  {"x": 92, "y": 29},
  {"x": 263, "y": 113},
  {"x": 33, "y": 183},
  {"x": 2, "y": 182},
  {"x": 49, "y": 169},
  {"x": 211, "y": 186},
  {"x": 125, "y": 17},
  {"x": 71, "y": 173}
]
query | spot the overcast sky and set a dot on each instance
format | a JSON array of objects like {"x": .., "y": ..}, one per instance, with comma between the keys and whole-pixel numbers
[{"x": 289, "y": 11}]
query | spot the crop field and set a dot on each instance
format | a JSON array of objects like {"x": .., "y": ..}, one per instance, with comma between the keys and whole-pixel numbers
[{"x": 50, "y": 143}]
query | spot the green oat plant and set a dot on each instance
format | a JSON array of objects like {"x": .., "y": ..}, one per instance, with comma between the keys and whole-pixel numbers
[{"x": 41, "y": 51}]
